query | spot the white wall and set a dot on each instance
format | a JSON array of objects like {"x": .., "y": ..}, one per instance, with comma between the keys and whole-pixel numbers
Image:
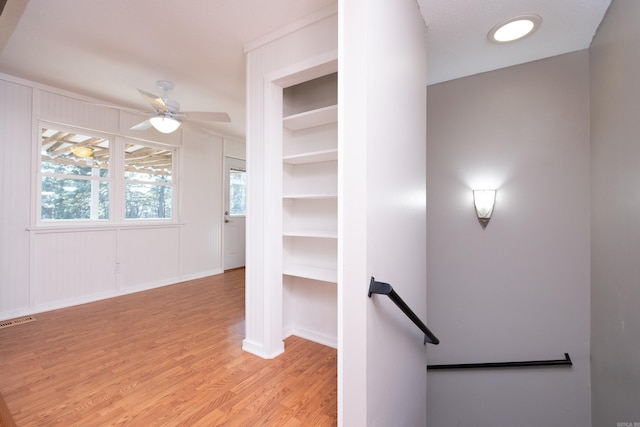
[
  {"x": 235, "y": 148},
  {"x": 202, "y": 195},
  {"x": 615, "y": 289},
  {"x": 15, "y": 200},
  {"x": 45, "y": 268},
  {"x": 382, "y": 185},
  {"x": 518, "y": 290}
]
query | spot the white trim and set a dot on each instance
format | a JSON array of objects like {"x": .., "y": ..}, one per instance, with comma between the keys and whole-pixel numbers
[
  {"x": 292, "y": 28},
  {"x": 308, "y": 69},
  {"x": 85, "y": 226},
  {"x": 272, "y": 178},
  {"x": 259, "y": 350},
  {"x": 39, "y": 86},
  {"x": 314, "y": 336},
  {"x": 202, "y": 274}
]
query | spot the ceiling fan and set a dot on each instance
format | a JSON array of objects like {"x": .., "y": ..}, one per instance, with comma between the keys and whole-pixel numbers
[{"x": 167, "y": 117}]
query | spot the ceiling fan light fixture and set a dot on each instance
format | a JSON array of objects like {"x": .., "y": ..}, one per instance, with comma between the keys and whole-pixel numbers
[
  {"x": 514, "y": 28},
  {"x": 164, "y": 124}
]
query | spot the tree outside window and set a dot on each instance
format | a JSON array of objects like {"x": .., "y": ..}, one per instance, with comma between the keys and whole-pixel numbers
[
  {"x": 237, "y": 192},
  {"x": 148, "y": 181}
]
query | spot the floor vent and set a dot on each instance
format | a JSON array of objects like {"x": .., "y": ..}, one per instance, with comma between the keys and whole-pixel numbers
[{"x": 14, "y": 322}]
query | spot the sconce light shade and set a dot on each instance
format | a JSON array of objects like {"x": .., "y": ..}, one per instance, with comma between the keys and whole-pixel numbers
[
  {"x": 484, "y": 201},
  {"x": 164, "y": 124}
]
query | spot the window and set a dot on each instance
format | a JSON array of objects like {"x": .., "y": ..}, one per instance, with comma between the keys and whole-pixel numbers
[
  {"x": 237, "y": 192},
  {"x": 148, "y": 181},
  {"x": 74, "y": 171},
  {"x": 85, "y": 176}
]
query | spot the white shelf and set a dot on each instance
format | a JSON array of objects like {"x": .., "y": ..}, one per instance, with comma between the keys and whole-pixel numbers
[
  {"x": 309, "y": 272},
  {"x": 310, "y": 196},
  {"x": 311, "y": 233},
  {"x": 313, "y": 118},
  {"x": 312, "y": 157}
]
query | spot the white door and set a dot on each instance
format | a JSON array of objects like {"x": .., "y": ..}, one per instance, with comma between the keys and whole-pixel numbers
[{"x": 234, "y": 212}]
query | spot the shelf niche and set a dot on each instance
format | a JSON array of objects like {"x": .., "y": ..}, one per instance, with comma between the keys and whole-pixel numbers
[{"x": 309, "y": 206}]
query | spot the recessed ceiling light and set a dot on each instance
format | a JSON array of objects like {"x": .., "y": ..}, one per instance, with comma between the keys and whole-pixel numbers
[{"x": 514, "y": 28}]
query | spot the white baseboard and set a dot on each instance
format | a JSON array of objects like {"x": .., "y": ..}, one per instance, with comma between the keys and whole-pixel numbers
[
  {"x": 315, "y": 336},
  {"x": 70, "y": 302},
  {"x": 259, "y": 350},
  {"x": 202, "y": 274}
]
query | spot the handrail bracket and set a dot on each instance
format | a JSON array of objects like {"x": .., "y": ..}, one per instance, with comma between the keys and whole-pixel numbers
[{"x": 386, "y": 289}]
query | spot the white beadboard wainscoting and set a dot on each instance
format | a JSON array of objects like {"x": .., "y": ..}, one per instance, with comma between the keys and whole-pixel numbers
[{"x": 43, "y": 266}]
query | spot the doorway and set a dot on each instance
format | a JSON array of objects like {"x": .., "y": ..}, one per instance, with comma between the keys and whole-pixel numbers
[{"x": 235, "y": 203}]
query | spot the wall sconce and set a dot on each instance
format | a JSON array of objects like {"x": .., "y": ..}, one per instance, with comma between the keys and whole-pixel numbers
[{"x": 484, "y": 201}]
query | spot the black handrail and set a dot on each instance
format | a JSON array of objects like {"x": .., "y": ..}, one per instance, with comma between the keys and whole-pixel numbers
[
  {"x": 566, "y": 361},
  {"x": 386, "y": 289}
]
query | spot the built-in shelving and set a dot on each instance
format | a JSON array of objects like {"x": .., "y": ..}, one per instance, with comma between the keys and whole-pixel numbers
[
  {"x": 310, "y": 209},
  {"x": 310, "y": 204},
  {"x": 311, "y": 233},
  {"x": 312, "y": 157},
  {"x": 311, "y": 254},
  {"x": 313, "y": 118},
  {"x": 310, "y": 272}
]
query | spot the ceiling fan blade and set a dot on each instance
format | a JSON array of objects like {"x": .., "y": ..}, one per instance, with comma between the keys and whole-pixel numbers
[
  {"x": 156, "y": 102},
  {"x": 201, "y": 116},
  {"x": 142, "y": 125}
]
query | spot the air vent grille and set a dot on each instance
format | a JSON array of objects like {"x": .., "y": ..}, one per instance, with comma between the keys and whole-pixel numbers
[{"x": 14, "y": 322}]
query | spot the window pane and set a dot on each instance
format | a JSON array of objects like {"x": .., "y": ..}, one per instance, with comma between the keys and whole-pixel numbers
[
  {"x": 144, "y": 163},
  {"x": 237, "y": 192},
  {"x": 69, "y": 153},
  {"x": 63, "y": 198},
  {"x": 74, "y": 169},
  {"x": 148, "y": 201}
]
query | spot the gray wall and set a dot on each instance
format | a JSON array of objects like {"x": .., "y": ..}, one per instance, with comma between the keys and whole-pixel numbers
[
  {"x": 615, "y": 288},
  {"x": 518, "y": 290}
]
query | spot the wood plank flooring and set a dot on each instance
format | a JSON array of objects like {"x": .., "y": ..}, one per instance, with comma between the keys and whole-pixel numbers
[
  {"x": 6, "y": 419},
  {"x": 167, "y": 357}
]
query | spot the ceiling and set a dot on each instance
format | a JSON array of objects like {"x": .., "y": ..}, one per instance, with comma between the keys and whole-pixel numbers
[
  {"x": 457, "y": 44},
  {"x": 108, "y": 48}
]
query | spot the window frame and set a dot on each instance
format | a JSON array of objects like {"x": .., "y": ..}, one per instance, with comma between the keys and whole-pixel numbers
[
  {"x": 41, "y": 125},
  {"x": 173, "y": 184},
  {"x": 115, "y": 179}
]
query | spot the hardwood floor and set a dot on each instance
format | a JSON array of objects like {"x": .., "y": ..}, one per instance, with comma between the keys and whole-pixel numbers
[{"x": 170, "y": 356}]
